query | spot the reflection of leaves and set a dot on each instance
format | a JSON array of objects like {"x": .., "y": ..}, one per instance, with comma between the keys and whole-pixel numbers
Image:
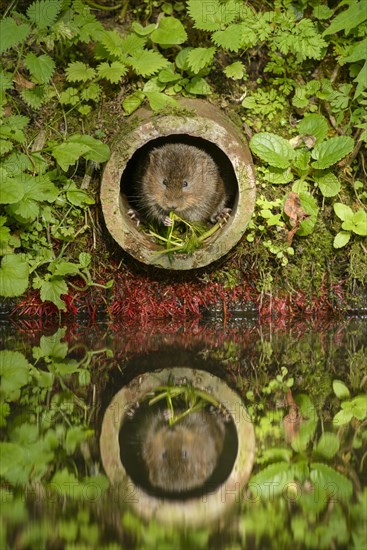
[
  {"x": 14, "y": 373},
  {"x": 327, "y": 446},
  {"x": 337, "y": 485}
]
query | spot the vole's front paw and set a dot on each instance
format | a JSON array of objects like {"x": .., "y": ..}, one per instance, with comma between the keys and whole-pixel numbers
[
  {"x": 221, "y": 217},
  {"x": 134, "y": 215},
  {"x": 167, "y": 221}
]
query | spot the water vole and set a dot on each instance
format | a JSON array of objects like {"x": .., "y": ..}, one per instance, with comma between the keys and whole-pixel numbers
[
  {"x": 183, "y": 457},
  {"x": 183, "y": 179}
]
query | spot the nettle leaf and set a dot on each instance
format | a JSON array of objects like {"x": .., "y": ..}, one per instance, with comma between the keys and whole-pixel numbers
[
  {"x": 12, "y": 34},
  {"x": 327, "y": 446},
  {"x": 168, "y": 75},
  {"x": 41, "y": 68},
  {"x": 113, "y": 43},
  {"x": 339, "y": 486},
  {"x": 272, "y": 480},
  {"x": 328, "y": 183},
  {"x": 343, "y": 211},
  {"x": 14, "y": 272},
  {"x": 331, "y": 151},
  {"x": 79, "y": 72},
  {"x": 341, "y": 239},
  {"x": 314, "y": 125},
  {"x": 113, "y": 72},
  {"x": 348, "y": 19},
  {"x": 198, "y": 58},
  {"x": 198, "y": 86},
  {"x": 232, "y": 37},
  {"x": 44, "y": 12},
  {"x": 159, "y": 100},
  {"x": 52, "y": 291},
  {"x": 273, "y": 149},
  {"x": 235, "y": 70},
  {"x": 309, "y": 205},
  {"x": 11, "y": 189},
  {"x": 6, "y": 81},
  {"x": 361, "y": 79},
  {"x": 181, "y": 59},
  {"x": 170, "y": 31},
  {"x": 148, "y": 62},
  {"x": 211, "y": 15},
  {"x": 132, "y": 43},
  {"x": 14, "y": 373},
  {"x": 34, "y": 98}
]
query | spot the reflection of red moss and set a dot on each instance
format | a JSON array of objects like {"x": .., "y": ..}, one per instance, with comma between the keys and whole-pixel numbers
[{"x": 138, "y": 296}]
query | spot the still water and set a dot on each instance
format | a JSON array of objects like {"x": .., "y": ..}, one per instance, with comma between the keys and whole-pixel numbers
[{"x": 303, "y": 386}]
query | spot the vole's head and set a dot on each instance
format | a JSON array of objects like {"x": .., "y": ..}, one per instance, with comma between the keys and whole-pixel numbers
[{"x": 175, "y": 177}]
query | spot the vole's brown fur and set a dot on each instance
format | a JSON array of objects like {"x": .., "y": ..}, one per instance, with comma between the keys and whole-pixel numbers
[
  {"x": 183, "y": 179},
  {"x": 183, "y": 457}
]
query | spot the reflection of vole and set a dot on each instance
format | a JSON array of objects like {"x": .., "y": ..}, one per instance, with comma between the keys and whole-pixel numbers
[
  {"x": 183, "y": 457},
  {"x": 183, "y": 179}
]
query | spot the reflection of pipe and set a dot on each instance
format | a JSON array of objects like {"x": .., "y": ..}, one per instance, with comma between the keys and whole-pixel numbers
[
  {"x": 193, "y": 511},
  {"x": 197, "y": 120}
]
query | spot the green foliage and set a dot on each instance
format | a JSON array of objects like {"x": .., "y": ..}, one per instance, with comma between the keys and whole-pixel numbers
[{"x": 353, "y": 222}]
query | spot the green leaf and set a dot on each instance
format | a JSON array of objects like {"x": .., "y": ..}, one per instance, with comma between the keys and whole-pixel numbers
[
  {"x": 348, "y": 19},
  {"x": 97, "y": 151},
  {"x": 361, "y": 79},
  {"x": 231, "y": 38},
  {"x": 74, "y": 436},
  {"x": 14, "y": 374},
  {"x": 357, "y": 52},
  {"x": 314, "y": 125},
  {"x": 341, "y": 239},
  {"x": 12, "y": 34},
  {"x": 14, "y": 272},
  {"x": 112, "y": 72},
  {"x": 34, "y": 98},
  {"x": 168, "y": 75},
  {"x": 342, "y": 417},
  {"x": 78, "y": 197},
  {"x": 273, "y": 149},
  {"x": 340, "y": 389},
  {"x": 132, "y": 102},
  {"x": 235, "y": 70},
  {"x": 327, "y": 446},
  {"x": 211, "y": 16},
  {"x": 271, "y": 480},
  {"x": 198, "y": 86},
  {"x": 91, "y": 92},
  {"x": 278, "y": 176},
  {"x": 142, "y": 31},
  {"x": 41, "y": 68},
  {"x": 343, "y": 211},
  {"x": 331, "y": 151},
  {"x": 328, "y": 183},
  {"x": 170, "y": 31},
  {"x": 51, "y": 346},
  {"x": 309, "y": 205},
  {"x": 159, "y": 101},
  {"x": 11, "y": 189},
  {"x": 359, "y": 223},
  {"x": 181, "y": 60},
  {"x": 70, "y": 96},
  {"x": 62, "y": 269},
  {"x": 52, "y": 290},
  {"x": 339, "y": 486},
  {"x": 198, "y": 58},
  {"x": 66, "y": 154},
  {"x": 148, "y": 62},
  {"x": 44, "y": 12},
  {"x": 79, "y": 72}
]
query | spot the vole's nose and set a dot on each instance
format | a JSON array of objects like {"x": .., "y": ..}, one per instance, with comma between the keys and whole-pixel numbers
[{"x": 172, "y": 206}]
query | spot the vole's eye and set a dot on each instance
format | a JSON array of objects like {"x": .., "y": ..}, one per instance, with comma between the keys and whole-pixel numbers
[
  {"x": 165, "y": 182},
  {"x": 185, "y": 183},
  {"x": 184, "y": 453}
]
